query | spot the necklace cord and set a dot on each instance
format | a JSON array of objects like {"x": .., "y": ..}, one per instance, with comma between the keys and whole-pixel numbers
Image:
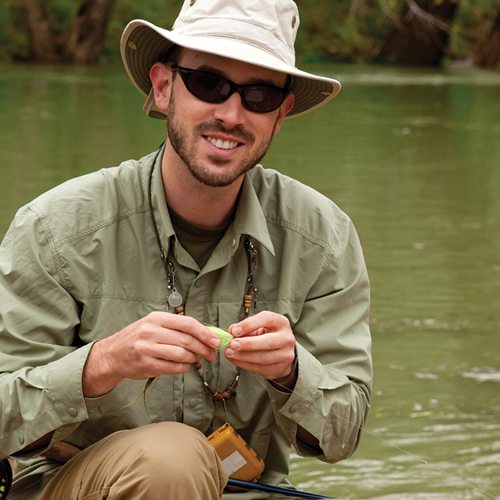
[{"x": 175, "y": 300}]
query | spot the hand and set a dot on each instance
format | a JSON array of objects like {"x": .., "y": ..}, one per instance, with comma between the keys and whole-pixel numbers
[
  {"x": 159, "y": 343},
  {"x": 264, "y": 344},
  {"x": 61, "y": 452}
]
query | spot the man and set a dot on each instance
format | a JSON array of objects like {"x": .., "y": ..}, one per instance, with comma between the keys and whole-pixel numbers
[{"x": 111, "y": 378}]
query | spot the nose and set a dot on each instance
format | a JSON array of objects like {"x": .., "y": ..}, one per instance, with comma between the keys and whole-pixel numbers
[{"x": 231, "y": 111}]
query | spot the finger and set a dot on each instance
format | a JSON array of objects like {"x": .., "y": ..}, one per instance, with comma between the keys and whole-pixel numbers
[
  {"x": 252, "y": 333},
  {"x": 188, "y": 343},
  {"x": 271, "y": 341},
  {"x": 151, "y": 340},
  {"x": 148, "y": 367},
  {"x": 281, "y": 357},
  {"x": 174, "y": 353},
  {"x": 191, "y": 326},
  {"x": 259, "y": 324},
  {"x": 151, "y": 352},
  {"x": 186, "y": 325},
  {"x": 61, "y": 452}
]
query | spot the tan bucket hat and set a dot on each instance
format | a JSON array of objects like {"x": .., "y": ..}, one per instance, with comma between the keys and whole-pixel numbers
[{"x": 259, "y": 32}]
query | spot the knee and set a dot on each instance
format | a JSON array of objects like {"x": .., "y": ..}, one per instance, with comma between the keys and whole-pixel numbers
[
  {"x": 178, "y": 445},
  {"x": 174, "y": 453},
  {"x": 145, "y": 462}
]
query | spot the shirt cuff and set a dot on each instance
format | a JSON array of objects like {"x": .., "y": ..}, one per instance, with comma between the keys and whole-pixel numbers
[{"x": 66, "y": 391}]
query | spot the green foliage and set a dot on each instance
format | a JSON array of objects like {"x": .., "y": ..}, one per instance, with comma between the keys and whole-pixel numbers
[
  {"x": 60, "y": 13},
  {"x": 12, "y": 19},
  {"x": 4, "y": 24},
  {"x": 160, "y": 12},
  {"x": 13, "y": 38},
  {"x": 356, "y": 30},
  {"x": 473, "y": 22},
  {"x": 341, "y": 30},
  {"x": 330, "y": 29}
]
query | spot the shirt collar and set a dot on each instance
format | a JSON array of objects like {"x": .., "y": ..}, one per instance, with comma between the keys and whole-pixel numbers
[
  {"x": 249, "y": 218},
  {"x": 159, "y": 203}
]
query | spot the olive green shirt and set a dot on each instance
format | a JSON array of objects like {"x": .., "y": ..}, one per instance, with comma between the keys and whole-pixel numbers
[{"x": 82, "y": 261}]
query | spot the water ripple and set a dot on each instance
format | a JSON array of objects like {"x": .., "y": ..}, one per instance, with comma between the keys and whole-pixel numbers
[{"x": 483, "y": 374}]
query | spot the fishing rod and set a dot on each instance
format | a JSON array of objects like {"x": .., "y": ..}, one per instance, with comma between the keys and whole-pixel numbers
[
  {"x": 6, "y": 482},
  {"x": 249, "y": 486}
]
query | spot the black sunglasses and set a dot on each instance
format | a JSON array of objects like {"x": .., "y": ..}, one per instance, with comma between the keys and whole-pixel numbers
[{"x": 213, "y": 88}]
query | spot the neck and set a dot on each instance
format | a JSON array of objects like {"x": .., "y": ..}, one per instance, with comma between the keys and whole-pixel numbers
[{"x": 201, "y": 205}]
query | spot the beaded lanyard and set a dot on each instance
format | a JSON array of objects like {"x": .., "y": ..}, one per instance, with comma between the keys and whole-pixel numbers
[{"x": 175, "y": 300}]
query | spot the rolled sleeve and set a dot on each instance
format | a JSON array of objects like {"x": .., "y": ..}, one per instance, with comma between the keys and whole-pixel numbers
[
  {"x": 331, "y": 397},
  {"x": 48, "y": 397},
  {"x": 40, "y": 378},
  {"x": 326, "y": 404}
]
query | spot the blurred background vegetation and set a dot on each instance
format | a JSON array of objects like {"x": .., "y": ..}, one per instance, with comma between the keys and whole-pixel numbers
[{"x": 407, "y": 32}]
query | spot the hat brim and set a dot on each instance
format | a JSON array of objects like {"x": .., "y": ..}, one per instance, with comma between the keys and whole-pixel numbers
[{"x": 143, "y": 44}]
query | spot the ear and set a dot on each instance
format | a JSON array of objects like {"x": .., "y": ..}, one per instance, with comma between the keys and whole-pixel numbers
[
  {"x": 161, "y": 79},
  {"x": 284, "y": 109}
]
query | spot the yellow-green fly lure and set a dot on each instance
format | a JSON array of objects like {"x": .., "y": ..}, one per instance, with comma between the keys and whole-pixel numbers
[{"x": 225, "y": 337}]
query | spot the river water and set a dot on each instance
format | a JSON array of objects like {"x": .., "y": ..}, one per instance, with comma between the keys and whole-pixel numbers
[{"x": 414, "y": 158}]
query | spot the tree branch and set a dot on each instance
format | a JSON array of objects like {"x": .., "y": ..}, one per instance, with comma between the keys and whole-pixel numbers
[
  {"x": 390, "y": 15},
  {"x": 42, "y": 39},
  {"x": 426, "y": 17},
  {"x": 87, "y": 33}
]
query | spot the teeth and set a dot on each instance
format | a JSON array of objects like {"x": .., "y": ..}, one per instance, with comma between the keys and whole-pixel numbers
[{"x": 218, "y": 143}]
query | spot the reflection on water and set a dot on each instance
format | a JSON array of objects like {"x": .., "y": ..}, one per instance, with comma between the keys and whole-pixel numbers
[{"x": 413, "y": 157}]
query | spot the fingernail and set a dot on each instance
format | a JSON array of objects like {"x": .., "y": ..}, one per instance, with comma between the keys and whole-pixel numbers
[
  {"x": 215, "y": 342},
  {"x": 235, "y": 344},
  {"x": 236, "y": 331}
]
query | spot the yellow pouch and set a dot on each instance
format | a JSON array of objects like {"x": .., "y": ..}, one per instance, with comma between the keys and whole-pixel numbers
[{"x": 239, "y": 460}]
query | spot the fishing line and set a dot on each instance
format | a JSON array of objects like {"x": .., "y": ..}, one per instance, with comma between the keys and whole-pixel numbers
[{"x": 417, "y": 458}]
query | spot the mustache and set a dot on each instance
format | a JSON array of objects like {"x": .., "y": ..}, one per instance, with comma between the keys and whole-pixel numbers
[{"x": 237, "y": 132}]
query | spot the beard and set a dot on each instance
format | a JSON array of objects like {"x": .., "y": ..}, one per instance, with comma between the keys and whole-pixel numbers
[{"x": 204, "y": 171}]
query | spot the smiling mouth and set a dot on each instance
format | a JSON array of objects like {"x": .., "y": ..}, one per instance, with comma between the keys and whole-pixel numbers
[{"x": 220, "y": 144}]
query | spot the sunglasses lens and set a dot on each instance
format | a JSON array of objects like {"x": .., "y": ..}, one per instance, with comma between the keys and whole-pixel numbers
[
  {"x": 213, "y": 88},
  {"x": 208, "y": 87},
  {"x": 263, "y": 98}
]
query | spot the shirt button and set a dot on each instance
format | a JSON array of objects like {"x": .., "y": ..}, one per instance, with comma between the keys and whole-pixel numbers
[
  {"x": 293, "y": 408},
  {"x": 20, "y": 438},
  {"x": 193, "y": 402},
  {"x": 234, "y": 242},
  {"x": 197, "y": 284},
  {"x": 326, "y": 438},
  {"x": 72, "y": 412}
]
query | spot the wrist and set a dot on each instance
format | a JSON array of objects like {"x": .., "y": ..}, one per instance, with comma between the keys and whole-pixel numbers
[
  {"x": 97, "y": 377},
  {"x": 288, "y": 381}
]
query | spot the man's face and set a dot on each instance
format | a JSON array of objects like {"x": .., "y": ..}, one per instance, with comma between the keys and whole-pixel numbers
[{"x": 219, "y": 142}]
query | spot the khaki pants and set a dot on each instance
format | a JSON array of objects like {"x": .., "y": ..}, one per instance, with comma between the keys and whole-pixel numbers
[{"x": 160, "y": 461}]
